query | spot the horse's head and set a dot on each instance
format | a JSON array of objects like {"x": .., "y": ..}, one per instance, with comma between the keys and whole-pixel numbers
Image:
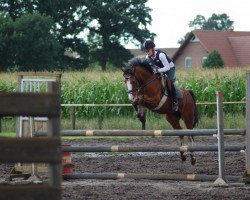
[
  {"x": 130, "y": 81},
  {"x": 136, "y": 72}
]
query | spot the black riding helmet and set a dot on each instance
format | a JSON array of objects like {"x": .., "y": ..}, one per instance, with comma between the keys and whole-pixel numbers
[{"x": 148, "y": 44}]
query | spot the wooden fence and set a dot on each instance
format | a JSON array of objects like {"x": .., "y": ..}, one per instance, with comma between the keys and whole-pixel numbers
[{"x": 31, "y": 150}]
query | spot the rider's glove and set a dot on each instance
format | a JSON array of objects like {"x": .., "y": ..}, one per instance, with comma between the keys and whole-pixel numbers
[{"x": 155, "y": 70}]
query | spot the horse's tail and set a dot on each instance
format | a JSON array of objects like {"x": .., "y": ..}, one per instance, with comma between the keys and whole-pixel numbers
[{"x": 196, "y": 113}]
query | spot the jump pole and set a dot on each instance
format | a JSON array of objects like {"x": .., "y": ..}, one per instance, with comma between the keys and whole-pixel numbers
[
  {"x": 153, "y": 133},
  {"x": 158, "y": 148},
  {"x": 246, "y": 175},
  {"x": 178, "y": 177},
  {"x": 221, "y": 180}
]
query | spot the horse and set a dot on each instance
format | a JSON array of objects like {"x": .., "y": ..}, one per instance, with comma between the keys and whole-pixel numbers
[{"x": 153, "y": 91}]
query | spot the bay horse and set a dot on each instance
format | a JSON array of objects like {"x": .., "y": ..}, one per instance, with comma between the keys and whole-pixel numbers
[{"x": 146, "y": 89}]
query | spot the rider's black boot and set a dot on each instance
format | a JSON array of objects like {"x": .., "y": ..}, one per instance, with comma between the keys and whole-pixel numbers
[{"x": 175, "y": 105}]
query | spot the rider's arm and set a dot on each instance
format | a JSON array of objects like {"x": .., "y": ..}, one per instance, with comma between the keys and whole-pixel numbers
[{"x": 165, "y": 63}]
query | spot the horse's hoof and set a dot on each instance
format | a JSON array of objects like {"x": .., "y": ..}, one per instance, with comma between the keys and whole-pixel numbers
[
  {"x": 193, "y": 160},
  {"x": 183, "y": 158}
]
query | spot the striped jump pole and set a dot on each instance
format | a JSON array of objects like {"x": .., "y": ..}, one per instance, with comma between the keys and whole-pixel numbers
[
  {"x": 178, "y": 177},
  {"x": 183, "y": 132},
  {"x": 163, "y": 148}
]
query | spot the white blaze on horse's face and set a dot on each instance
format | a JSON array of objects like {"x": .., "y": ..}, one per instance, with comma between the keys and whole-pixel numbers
[{"x": 129, "y": 85}]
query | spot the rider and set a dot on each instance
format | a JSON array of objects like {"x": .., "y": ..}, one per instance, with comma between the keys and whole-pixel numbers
[{"x": 161, "y": 63}]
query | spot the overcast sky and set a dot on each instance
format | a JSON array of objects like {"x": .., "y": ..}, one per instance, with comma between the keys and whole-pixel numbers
[{"x": 171, "y": 17}]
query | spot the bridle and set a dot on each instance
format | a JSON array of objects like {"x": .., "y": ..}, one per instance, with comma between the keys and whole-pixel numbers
[
  {"x": 139, "y": 86},
  {"x": 128, "y": 77}
]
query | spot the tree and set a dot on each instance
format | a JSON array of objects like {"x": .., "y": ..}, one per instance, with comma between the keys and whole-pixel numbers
[
  {"x": 35, "y": 44},
  {"x": 215, "y": 22},
  {"x": 28, "y": 43},
  {"x": 16, "y": 8},
  {"x": 6, "y": 31},
  {"x": 71, "y": 18},
  {"x": 106, "y": 25},
  {"x": 213, "y": 60},
  {"x": 114, "y": 21},
  {"x": 66, "y": 25}
]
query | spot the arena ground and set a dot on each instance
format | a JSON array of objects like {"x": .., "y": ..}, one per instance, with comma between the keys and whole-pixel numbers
[{"x": 170, "y": 163}]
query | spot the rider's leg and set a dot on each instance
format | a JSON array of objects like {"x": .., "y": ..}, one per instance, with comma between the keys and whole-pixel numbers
[
  {"x": 172, "y": 77},
  {"x": 175, "y": 106}
]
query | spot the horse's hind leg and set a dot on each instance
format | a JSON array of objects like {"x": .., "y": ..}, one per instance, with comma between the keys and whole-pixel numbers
[
  {"x": 175, "y": 123},
  {"x": 189, "y": 125},
  {"x": 193, "y": 159}
]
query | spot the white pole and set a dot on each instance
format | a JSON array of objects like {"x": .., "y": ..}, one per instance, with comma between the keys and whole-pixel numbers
[
  {"x": 246, "y": 176},
  {"x": 221, "y": 180}
]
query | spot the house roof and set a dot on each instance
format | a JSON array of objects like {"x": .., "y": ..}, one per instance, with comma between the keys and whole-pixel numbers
[
  {"x": 139, "y": 52},
  {"x": 228, "y": 43},
  {"x": 241, "y": 48}
]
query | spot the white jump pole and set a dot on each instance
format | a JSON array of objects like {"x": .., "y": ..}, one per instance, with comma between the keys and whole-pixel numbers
[
  {"x": 246, "y": 176},
  {"x": 221, "y": 180}
]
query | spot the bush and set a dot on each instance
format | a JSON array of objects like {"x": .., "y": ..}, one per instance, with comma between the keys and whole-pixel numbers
[{"x": 213, "y": 60}]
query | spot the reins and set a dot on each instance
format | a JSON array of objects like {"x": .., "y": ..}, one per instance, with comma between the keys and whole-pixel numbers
[{"x": 150, "y": 81}]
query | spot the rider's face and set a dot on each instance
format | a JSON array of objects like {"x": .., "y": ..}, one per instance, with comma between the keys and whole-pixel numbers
[{"x": 150, "y": 52}]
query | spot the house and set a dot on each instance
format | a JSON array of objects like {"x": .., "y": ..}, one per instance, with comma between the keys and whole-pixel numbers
[
  {"x": 233, "y": 47},
  {"x": 139, "y": 52}
]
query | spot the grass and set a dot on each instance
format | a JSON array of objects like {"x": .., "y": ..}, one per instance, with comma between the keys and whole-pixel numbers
[
  {"x": 131, "y": 122},
  {"x": 8, "y": 134},
  {"x": 154, "y": 122}
]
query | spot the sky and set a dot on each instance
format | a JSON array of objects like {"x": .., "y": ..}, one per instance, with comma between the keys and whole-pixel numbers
[{"x": 170, "y": 18}]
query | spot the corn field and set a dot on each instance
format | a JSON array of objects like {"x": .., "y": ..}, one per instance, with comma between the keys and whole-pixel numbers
[{"x": 95, "y": 87}]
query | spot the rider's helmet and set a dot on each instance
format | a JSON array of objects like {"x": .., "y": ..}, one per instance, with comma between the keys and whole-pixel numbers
[{"x": 148, "y": 44}]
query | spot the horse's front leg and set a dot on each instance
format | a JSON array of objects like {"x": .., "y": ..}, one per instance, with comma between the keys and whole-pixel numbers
[
  {"x": 140, "y": 113},
  {"x": 142, "y": 116}
]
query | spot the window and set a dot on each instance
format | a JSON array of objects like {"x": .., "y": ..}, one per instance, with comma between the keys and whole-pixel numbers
[
  {"x": 203, "y": 59},
  {"x": 194, "y": 39},
  {"x": 188, "y": 62}
]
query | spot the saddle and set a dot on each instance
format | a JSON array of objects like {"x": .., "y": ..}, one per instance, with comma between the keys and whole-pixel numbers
[{"x": 166, "y": 86}]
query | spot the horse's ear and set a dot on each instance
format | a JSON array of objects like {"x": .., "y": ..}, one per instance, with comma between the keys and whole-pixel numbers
[{"x": 123, "y": 69}]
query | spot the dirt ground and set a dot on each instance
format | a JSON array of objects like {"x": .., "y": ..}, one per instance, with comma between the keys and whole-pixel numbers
[{"x": 169, "y": 163}]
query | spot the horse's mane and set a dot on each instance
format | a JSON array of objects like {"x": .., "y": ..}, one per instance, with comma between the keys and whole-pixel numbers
[{"x": 139, "y": 61}]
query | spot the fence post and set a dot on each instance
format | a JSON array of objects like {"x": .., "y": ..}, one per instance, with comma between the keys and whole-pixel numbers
[
  {"x": 221, "y": 180},
  {"x": 246, "y": 176},
  {"x": 73, "y": 117},
  {"x": 54, "y": 169}
]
